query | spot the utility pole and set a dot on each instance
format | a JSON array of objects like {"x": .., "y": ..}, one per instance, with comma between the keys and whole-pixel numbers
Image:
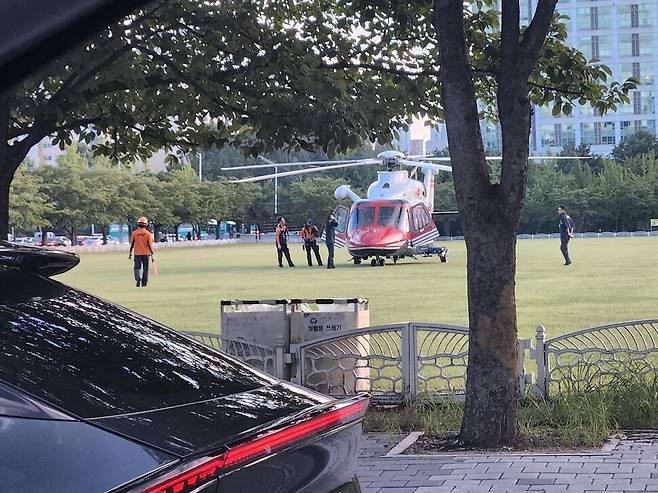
[
  {"x": 276, "y": 189},
  {"x": 276, "y": 183},
  {"x": 200, "y": 165}
]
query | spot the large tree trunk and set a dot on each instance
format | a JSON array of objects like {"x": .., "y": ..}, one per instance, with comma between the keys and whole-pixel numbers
[
  {"x": 11, "y": 156},
  {"x": 492, "y": 388},
  {"x": 490, "y": 212},
  {"x": 5, "y": 184},
  {"x": 7, "y": 166}
]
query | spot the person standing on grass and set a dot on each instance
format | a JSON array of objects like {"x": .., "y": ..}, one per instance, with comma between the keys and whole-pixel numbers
[
  {"x": 281, "y": 241},
  {"x": 330, "y": 239},
  {"x": 566, "y": 233},
  {"x": 141, "y": 241},
  {"x": 309, "y": 234}
]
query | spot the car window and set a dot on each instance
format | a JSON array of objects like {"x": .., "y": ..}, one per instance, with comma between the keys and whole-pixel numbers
[{"x": 92, "y": 358}]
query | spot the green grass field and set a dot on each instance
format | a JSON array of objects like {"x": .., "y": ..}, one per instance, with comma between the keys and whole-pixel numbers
[{"x": 610, "y": 280}]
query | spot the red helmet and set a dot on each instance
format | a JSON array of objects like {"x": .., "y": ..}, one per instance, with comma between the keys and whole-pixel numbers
[{"x": 143, "y": 221}]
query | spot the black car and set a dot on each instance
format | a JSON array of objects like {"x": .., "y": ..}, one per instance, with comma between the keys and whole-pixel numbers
[{"x": 96, "y": 398}]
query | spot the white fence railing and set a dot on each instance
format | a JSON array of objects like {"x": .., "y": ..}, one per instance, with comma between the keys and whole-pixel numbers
[
  {"x": 588, "y": 234},
  {"x": 398, "y": 362}
]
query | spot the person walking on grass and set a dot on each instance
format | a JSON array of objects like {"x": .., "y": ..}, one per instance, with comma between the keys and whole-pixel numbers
[
  {"x": 566, "y": 233},
  {"x": 330, "y": 239},
  {"x": 141, "y": 241},
  {"x": 309, "y": 234},
  {"x": 281, "y": 241}
]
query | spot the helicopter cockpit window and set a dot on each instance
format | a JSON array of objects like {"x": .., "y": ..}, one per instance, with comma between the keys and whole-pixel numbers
[
  {"x": 390, "y": 216},
  {"x": 362, "y": 216}
]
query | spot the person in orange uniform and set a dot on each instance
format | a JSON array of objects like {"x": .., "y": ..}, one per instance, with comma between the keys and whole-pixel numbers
[
  {"x": 281, "y": 241},
  {"x": 309, "y": 234},
  {"x": 141, "y": 241}
]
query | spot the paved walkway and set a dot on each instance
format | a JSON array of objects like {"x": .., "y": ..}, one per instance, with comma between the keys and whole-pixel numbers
[{"x": 632, "y": 466}]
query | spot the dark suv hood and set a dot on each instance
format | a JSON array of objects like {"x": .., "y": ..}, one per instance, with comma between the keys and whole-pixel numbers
[{"x": 183, "y": 430}]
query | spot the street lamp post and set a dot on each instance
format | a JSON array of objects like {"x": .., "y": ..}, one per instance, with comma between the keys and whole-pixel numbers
[{"x": 276, "y": 183}]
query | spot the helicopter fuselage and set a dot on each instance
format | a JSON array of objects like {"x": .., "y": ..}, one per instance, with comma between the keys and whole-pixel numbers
[{"x": 393, "y": 222}]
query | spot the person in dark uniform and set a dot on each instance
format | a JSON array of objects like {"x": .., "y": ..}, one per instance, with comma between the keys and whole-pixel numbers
[
  {"x": 309, "y": 234},
  {"x": 566, "y": 233},
  {"x": 281, "y": 240},
  {"x": 330, "y": 239}
]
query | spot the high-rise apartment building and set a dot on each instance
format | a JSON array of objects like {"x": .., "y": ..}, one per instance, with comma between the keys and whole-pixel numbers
[{"x": 622, "y": 34}]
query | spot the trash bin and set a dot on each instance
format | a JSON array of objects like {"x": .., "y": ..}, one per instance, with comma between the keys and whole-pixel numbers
[
  {"x": 281, "y": 323},
  {"x": 342, "y": 371}
]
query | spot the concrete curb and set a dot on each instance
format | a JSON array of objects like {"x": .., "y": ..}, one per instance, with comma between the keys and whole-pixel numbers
[
  {"x": 404, "y": 444},
  {"x": 398, "y": 450}
]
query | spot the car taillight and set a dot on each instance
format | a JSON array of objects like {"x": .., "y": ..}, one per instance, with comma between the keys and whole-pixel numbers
[{"x": 207, "y": 470}]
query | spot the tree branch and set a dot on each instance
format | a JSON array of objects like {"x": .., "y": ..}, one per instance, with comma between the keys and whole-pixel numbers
[
  {"x": 509, "y": 38},
  {"x": 535, "y": 34},
  {"x": 80, "y": 81},
  {"x": 460, "y": 108},
  {"x": 379, "y": 68}
]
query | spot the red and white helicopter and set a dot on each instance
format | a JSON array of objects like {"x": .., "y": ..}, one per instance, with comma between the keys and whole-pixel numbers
[{"x": 394, "y": 220}]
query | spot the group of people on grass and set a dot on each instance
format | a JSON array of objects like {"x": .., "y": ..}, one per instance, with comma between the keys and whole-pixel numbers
[
  {"x": 309, "y": 235},
  {"x": 141, "y": 242}
]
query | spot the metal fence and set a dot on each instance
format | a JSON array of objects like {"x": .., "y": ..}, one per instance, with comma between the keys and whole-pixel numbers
[
  {"x": 595, "y": 356},
  {"x": 398, "y": 362},
  {"x": 588, "y": 234}
]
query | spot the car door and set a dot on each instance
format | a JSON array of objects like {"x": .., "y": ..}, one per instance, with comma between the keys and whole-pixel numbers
[{"x": 423, "y": 229}]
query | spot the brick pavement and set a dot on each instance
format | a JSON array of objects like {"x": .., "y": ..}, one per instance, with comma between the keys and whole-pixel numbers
[{"x": 632, "y": 466}]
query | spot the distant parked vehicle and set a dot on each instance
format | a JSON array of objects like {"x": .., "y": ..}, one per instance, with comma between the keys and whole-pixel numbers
[
  {"x": 93, "y": 241},
  {"x": 63, "y": 241},
  {"x": 24, "y": 240},
  {"x": 50, "y": 238}
]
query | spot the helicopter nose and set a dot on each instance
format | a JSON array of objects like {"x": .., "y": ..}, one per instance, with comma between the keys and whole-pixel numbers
[{"x": 377, "y": 237}]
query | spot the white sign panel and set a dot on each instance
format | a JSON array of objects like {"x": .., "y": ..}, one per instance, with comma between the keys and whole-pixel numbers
[
  {"x": 654, "y": 223},
  {"x": 320, "y": 323}
]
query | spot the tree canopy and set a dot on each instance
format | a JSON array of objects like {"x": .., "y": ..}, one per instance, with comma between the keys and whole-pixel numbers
[
  {"x": 641, "y": 142},
  {"x": 181, "y": 74}
]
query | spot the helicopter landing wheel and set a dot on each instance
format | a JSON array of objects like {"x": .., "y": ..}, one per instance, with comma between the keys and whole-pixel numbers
[
  {"x": 444, "y": 258},
  {"x": 395, "y": 259},
  {"x": 357, "y": 261},
  {"x": 382, "y": 262},
  {"x": 373, "y": 263}
]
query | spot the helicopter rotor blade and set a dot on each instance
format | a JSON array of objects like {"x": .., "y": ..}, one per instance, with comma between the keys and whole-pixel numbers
[
  {"x": 350, "y": 164},
  {"x": 499, "y": 158},
  {"x": 426, "y": 165},
  {"x": 272, "y": 164}
]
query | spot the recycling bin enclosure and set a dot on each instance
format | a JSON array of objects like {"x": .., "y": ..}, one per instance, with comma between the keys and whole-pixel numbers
[{"x": 281, "y": 323}]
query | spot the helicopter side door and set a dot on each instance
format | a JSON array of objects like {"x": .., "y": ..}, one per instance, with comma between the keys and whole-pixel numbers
[
  {"x": 423, "y": 229},
  {"x": 342, "y": 215}
]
